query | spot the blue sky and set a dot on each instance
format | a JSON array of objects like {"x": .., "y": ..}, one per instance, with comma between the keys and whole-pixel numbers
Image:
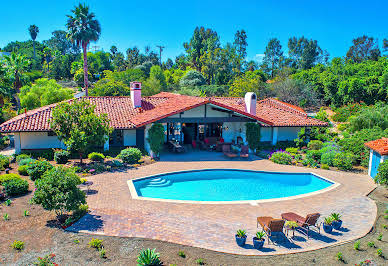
[{"x": 170, "y": 23}]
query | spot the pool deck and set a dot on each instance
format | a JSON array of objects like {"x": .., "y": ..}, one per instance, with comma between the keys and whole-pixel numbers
[{"x": 213, "y": 226}]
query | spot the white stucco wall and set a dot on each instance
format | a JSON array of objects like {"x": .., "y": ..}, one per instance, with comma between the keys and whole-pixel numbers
[
  {"x": 231, "y": 130},
  {"x": 288, "y": 133},
  {"x": 266, "y": 134},
  {"x": 129, "y": 137},
  {"x": 195, "y": 112},
  {"x": 36, "y": 140},
  {"x": 146, "y": 144}
]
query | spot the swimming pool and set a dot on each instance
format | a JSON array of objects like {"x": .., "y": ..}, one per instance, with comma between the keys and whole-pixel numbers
[{"x": 226, "y": 185}]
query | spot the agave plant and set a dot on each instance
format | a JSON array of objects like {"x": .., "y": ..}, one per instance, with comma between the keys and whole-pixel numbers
[
  {"x": 260, "y": 235},
  {"x": 148, "y": 257},
  {"x": 328, "y": 220},
  {"x": 335, "y": 216},
  {"x": 241, "y": 233}
]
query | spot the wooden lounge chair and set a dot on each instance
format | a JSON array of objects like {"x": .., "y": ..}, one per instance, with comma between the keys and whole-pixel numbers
[
  {"x": 271, "y": 225},
  {"x": 244, "y": 151},
  {"x": 227, "y": 152},
  {"x": 306, "y": 223}
]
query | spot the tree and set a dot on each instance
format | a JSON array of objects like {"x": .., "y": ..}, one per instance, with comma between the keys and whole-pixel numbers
[
  {"x": 82, "y": 29},
  {"x": 304, "y": 53},
  {"x": 33, "y": 30},
  {"x": 16, "y": 64},
  {"x": 157, "y": 73},
  {"x": 192, "y": 78},
  {"x": 249, "y": 82},
  {"x": 61, "y": 43},
  {"x": 385, "y": 45},
  {"x": 156, "y": 137},
  {"x": 133, "y": 57},
  {"x": 57, "y": 191},
  {"x": 273, "y": 55},
  {"x": 113, "y": 50},
  {"x": 240, "y": 43},
  {"x": 77, "y": 125},
  {"x": 364, "y": 48},
  {"x": 253, "y": 135}
]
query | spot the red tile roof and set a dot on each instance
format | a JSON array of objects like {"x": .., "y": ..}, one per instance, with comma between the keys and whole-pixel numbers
[
  {"x": 379, "y": 145},
  {"x": 123, "y": 115}
]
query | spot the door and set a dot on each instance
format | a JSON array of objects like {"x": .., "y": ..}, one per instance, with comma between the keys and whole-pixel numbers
[
  {"x": 375, "y": 164},
  {"x": 140, "y": 138}
]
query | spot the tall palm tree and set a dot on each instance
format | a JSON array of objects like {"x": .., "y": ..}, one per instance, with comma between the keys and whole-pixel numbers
[
  {"x": 83, "y": 28},
  {"x": 15, "y": 65},
  {"x": 34, "y": 30}
]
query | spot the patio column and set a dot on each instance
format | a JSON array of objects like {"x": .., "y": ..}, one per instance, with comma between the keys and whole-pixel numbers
[
  {"x": 106, "y": 145},
  {"x": 370, "y": 162},
  {"x": 275, "y": 135}
]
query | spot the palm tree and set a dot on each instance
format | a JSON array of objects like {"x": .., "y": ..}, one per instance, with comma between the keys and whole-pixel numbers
[
  {"x": 82, "y": 29},
  {"x": 34, "y": 30},
  {"x": 15, "y": 65}
]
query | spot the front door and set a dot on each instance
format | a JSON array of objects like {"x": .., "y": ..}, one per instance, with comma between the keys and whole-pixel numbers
[{"x": 140, "y": 138}]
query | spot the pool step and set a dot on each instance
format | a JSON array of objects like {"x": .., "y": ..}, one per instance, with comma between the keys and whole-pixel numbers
[{"x": 159, "y": 182}]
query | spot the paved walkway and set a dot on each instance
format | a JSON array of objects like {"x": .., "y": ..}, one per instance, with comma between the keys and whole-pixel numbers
[{"x": 212, "y": 226}]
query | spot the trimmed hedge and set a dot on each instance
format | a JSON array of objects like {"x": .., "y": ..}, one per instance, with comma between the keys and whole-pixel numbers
[
  {"x": 130, "y": 155},
  {"x": 281, "y": 157},
  {"x": 96, "y": 157},
  {"x": 62, "y": 156},
  {"x": 8, "y": 177},
  {"x": 22, "y": 170},
  {"x": 38, "y": 168},
  {"x": 4, "y": 162},
  {"x": 16, "y": 187}
]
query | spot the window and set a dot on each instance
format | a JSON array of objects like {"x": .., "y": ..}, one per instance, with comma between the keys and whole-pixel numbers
[{"x": 51, "y": 133}]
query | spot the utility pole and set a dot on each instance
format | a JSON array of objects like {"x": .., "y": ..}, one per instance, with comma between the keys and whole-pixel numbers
[{"x": 160, "y": 53}]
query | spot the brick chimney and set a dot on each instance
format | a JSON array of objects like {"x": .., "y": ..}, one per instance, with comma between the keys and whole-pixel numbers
[
  {"x": 250, "y": 102},
  {"x": 136, "y": 94}
]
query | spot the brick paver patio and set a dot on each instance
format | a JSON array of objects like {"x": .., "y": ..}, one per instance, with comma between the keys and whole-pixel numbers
[{"x": 212, "y": 226}]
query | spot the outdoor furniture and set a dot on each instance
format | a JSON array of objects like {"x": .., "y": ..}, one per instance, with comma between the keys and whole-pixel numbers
[
  {"x": 244, "y": 153},
  {"x": 271, "y": 225},
  {"x": 176, "y": 147},
  {"x": 227, "y": 152},
  {"x": 306, "y": 223}
]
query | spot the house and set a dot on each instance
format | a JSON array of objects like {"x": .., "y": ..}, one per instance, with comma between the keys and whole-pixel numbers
[
  {"x": 378, "y": 154},
  {"x": 185, "y": 118}
]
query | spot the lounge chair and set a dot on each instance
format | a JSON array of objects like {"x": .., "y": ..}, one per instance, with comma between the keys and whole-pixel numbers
[
  {"x": 244, "y": 153},
  {"x": 271, "y": 225},
  {"x": 305, "y": 223},
  {"x": 227, "y": 152}
]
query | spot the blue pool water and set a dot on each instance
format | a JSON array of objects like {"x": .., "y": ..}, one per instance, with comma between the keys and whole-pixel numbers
[{"x": 228, "y": 185}]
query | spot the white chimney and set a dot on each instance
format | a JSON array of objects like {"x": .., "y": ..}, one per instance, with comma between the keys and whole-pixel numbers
[
  {"x": 136, "y": 94},
  {"x": 250, "y": 102}
]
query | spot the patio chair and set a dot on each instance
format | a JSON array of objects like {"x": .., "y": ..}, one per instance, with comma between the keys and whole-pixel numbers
[
  {"x": 227, "y": 152},
  {"x": 306, "y": 223},
  {"x": 244, "y": 153},
  {"x": 271, "y": 225}
]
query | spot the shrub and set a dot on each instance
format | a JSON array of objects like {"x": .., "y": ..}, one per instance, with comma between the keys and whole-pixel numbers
[
  {"x": 5, "y": 216},
  {"x": 315, "y": 145},
  {"x": 253, "y": 135},
  {"x": 149, "y": 257},
  {"x": 47, "y": 260},
  {"x": 342, "y": 114},
  {"x": 156, "y": 137},
  {"x": 4, "y": 162},
  {"x": 344, "y": 161},
  {"x": 328, "y": 158},
  {"x": 57, "y": 190},
  {"x": 102, "y": 253},
  {"x": 8, "y": 177},
  {"x": 292, "y": 150},
  {"x": 18, "y": 245},
  {"x": 379, "y": 252},
  {"x": 96, "y": 157},
  {"x": 95, "y": 243},
  {"x": 61, "y": 156},
  {"x": 26, "y": 161},
  {"x": 310, "y": 162},
  {"x": 342, "y": 127},
  {"x": 200, "y": 261},
  {"x": 340, "y": 257},
  {"x": 22, "y": 157},
  {"x": 371, "y": 244},
  {"x": 325, "y": 166},
  {"x": 130, "y": 155},
  {"x": 181, "y": 253},
  {"x": 47, "y": 154},
  {"x": 314, "y": 154},
  {"x": 22, "y": 170},
  {"x": 380, "y": 237},
  {"x": 16, "y": 187},
  {"x": 281, "y": 157},
  {"x": 357, "y": 245},
  {"x": 38, "y": 168},
  {"x": 382, "y": 173}
]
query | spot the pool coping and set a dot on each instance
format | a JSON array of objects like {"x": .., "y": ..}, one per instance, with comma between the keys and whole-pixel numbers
[{"x": 134, "y": 194}]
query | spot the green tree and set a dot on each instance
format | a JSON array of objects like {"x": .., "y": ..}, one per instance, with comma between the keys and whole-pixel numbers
[
  {"x": 79, "y": 127},
  {"x": 33, "y": 30},
  {"x": 273, "y": 55},
  {"x": 82, "y": 29},
  {"x": 157, "y": 73},
  {"x": 249, "y": 82},
  {"x": 253, "y": 135},
  {"x": 156, "y": 137},
  {"x": 61, "y": 43},
  {"x": 57, "y": 191},
  {"x": 364, "y": 48},
  {"x": 240, "y": 44},
  {"x": 304, "y": 53},
  {"x": 192, "y": 78}
]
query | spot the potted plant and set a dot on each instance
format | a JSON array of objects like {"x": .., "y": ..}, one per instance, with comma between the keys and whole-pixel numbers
[
  {"x": 241, "y": 237},
  {"x": 292, "y": 225},
  {"x": 327, "y": 225},
  {"x": 337, "y": 222},
  {"x": 258, "y": 240}
]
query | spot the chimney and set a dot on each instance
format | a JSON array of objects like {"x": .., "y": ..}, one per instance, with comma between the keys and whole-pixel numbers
[
  {"x": 136, "y": 94},
  {"x": 250, "y": 102}
]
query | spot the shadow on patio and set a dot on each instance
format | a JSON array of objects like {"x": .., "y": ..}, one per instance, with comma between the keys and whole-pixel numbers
[{"x": 190, "y": 156}]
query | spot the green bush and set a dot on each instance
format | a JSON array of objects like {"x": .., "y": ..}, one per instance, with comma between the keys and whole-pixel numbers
[
  {"x": 328, "y": 158},
  {"x": 4, "y": 162},
  {"x": 156, "y": 137},
  {"x": 148, "y": 257},
  {"x": 18, "y": 245},
  {"x": 22, "y": 157},
  {"x": 130, "y": 155},
  {"x": 38, "y": 168},
  {"x": 342, "y": 114},
  {"x": 310, "y": 162},
  {"x": 292, "y": 150},
  {"x": 61, "y": 156},
  {"x": 8, "y": 177},
  {"x": 16, "y": 187},
  {"x": 26, "y": 161},
  {"x": 281, "y": 157},
  {"x": 22, "y": 170},
  {"x": 95, "y": 243},
  {"x": 47, "y": 154},
  {"x": 325, "y": 166},
  {"x": 344, "y": 160},
  {"x": 315, "y": 145},
  {"x": 96, "y": 157},
  {"x": 382, "y": 173},
  {"x": 314, "y": 154}
]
